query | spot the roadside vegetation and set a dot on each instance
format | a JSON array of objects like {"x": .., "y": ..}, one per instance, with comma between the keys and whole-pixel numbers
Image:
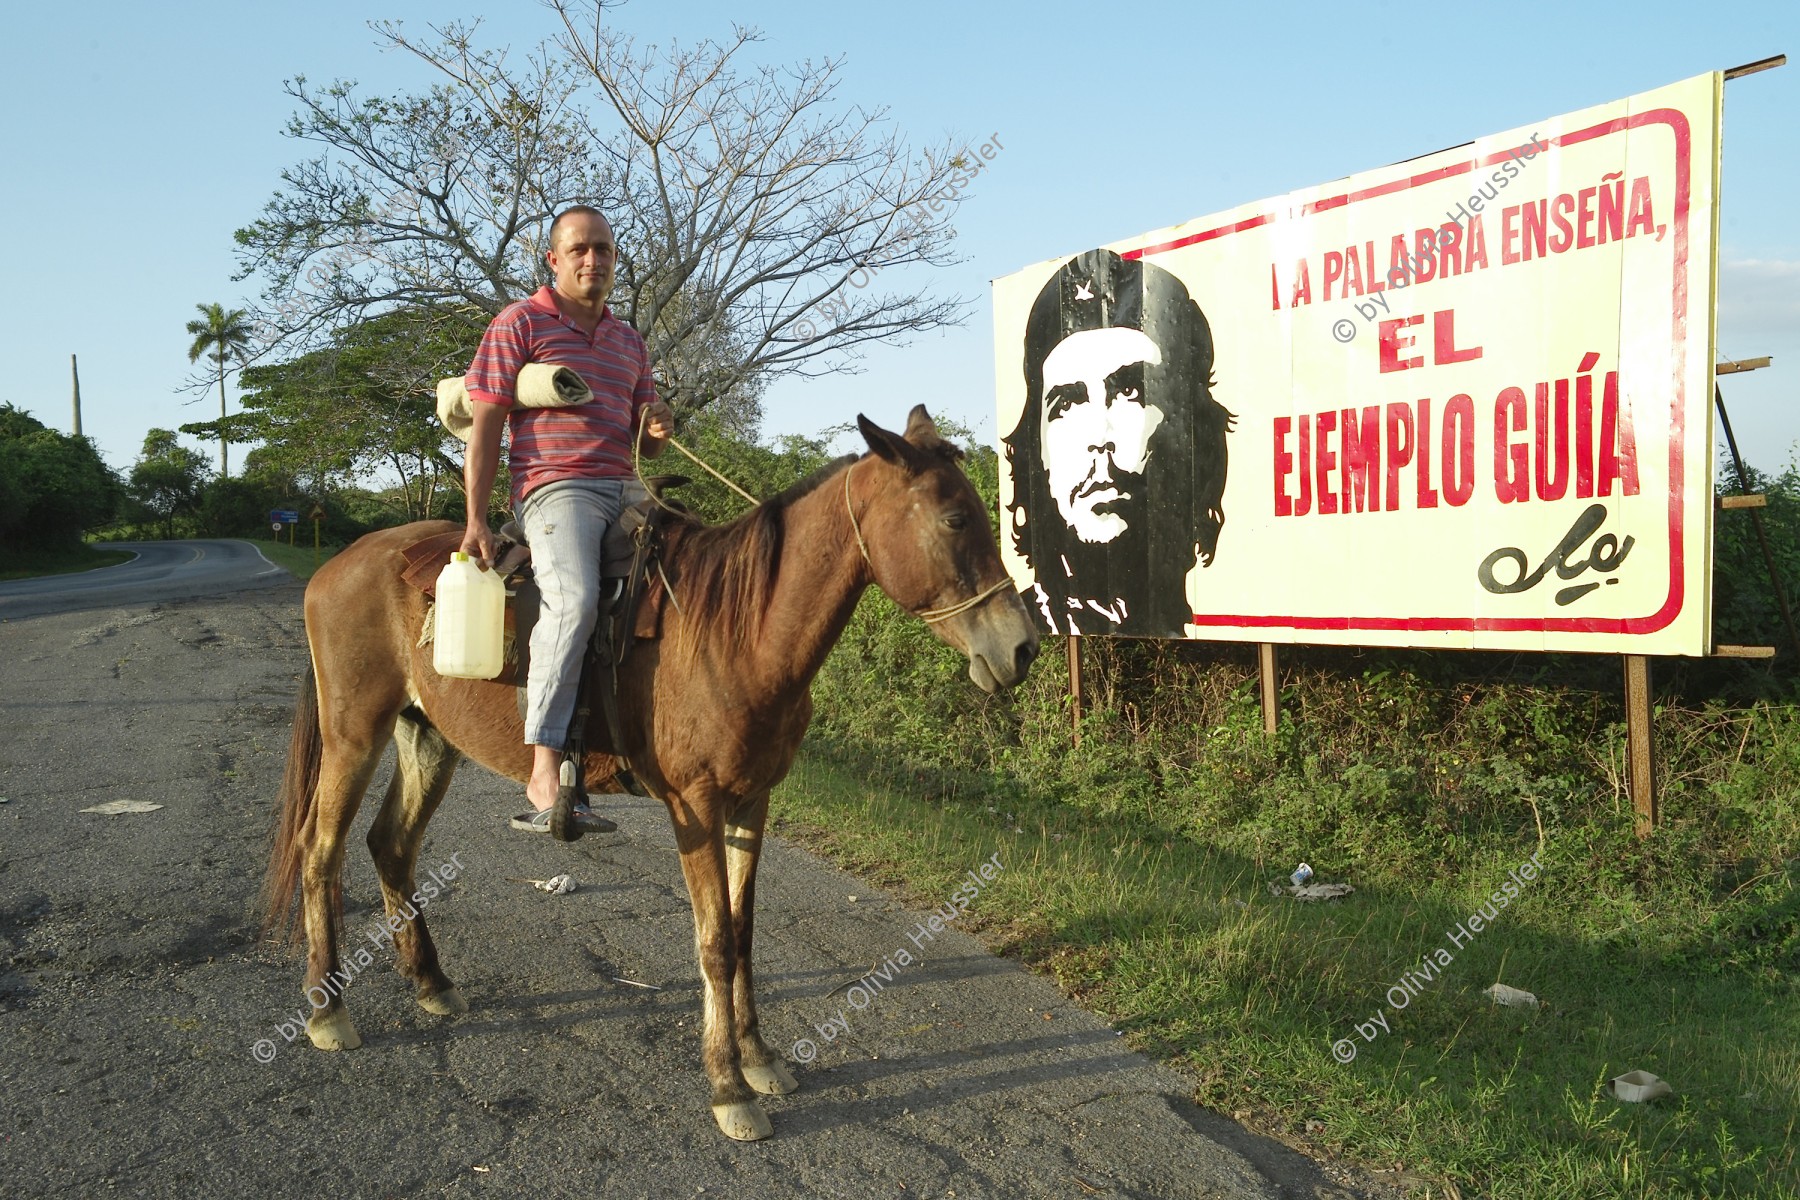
[{"x": 1139, "y": 868}]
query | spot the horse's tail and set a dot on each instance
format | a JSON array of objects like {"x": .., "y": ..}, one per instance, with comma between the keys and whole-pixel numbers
[{"x": 299, "y": 787}]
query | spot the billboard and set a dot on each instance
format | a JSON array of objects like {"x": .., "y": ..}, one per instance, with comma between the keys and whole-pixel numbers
[{"x": 1458, "y": 402}]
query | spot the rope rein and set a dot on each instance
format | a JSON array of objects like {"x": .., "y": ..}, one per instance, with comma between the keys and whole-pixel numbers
[
  {"x": 704, "y": 467},
  {"x": 637, "y": 463},
  {"x": 854, "y": 527},
  {"x": 930, "y": 616}
]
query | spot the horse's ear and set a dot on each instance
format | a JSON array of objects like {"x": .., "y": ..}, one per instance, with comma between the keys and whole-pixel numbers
[
  {"x": 920, "y": 428},
  {"x": 922, "y": 432},
  {"x": 891, "y": 446}
]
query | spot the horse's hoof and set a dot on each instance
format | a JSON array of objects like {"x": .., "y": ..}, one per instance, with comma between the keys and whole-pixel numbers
[
  {"x": 743, "y": 1122},
  {"x": 333, "y": 1031},
  {"x": 447, "y": 1003},
  {"x": 772, "y": 1080}
]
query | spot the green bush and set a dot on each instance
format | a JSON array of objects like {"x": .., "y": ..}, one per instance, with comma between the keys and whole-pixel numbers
[{"x": 53, "y": 487}]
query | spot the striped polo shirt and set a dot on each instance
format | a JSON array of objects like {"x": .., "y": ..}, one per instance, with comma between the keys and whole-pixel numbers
[{"x": 586, "y": 441}]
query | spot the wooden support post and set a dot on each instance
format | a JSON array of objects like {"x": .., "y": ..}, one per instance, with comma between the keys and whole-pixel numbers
[
  {"x": 1271, "y": 691},
  {"x": 1761, "y": 64},
  {"x": 1640, "y": 750},
  {"x": 1762, "y": 538},
  {"x": 1075, "y": 698}
]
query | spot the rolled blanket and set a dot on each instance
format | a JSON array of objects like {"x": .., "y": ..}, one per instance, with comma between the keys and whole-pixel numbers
[{"x": 541, "y": 385}]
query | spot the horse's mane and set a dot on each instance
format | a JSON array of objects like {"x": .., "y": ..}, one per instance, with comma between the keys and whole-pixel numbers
[{"x": 728, "y": 571}]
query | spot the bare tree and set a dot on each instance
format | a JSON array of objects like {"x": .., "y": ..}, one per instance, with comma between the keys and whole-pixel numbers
[{"x": 752, "y": 206}]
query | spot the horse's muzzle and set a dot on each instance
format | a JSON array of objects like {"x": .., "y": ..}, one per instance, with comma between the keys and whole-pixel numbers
[{"x": 1002, "y": 650}]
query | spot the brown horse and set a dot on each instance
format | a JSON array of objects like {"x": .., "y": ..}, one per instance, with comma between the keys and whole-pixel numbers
[{"x": 714, "y": 711}]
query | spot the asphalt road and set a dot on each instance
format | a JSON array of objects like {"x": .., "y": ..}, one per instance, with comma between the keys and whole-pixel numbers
[
  {"x": 161, "y": 571},
  {"x": 134, "y": 990}
]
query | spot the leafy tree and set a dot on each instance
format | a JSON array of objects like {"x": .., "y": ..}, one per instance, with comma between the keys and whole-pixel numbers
[
  {"x": 224, "y": 335},
  {"x": 366, "y": 401},
  {"x": 168, "y": 479},
  {"x": 240, "y": 507},
  {"x": 744, "y": 199},
  {"x": 53, "y": 487}
]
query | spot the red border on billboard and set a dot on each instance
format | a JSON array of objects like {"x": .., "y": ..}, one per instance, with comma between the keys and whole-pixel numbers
[{"x": 1671, "y": 608}]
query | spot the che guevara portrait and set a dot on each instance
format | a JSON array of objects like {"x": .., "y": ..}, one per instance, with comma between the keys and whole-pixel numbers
[{"x": 1118, "y": 459}]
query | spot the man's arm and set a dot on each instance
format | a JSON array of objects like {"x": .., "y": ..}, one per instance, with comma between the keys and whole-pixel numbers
[
  {"x": 493, "y": 380},
  {"x": 478, "y": 479}
]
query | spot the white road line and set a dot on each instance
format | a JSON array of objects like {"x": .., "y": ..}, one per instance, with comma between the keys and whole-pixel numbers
[{"x": 258, "y": 552}]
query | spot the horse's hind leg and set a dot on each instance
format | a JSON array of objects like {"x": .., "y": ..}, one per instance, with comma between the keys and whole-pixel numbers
[
  {"x": 346, "y": 763},
  {"x": 763, "y": 1069},
  {"x": 424, "y": 763}
]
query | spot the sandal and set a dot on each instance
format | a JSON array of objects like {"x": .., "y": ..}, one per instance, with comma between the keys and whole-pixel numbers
[{"x": 586, "y": 820}]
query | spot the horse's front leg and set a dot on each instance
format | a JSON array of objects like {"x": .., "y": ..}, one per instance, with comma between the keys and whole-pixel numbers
[
  {"x": 699, "y": 819},
  {"x": 763, "y": 1069}
]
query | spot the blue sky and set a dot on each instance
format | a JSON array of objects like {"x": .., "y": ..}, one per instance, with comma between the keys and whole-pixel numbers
[{"x": 138, "y": 138}]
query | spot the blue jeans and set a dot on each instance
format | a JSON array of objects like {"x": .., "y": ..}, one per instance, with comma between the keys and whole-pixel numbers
[{"x": 563, "y": 522}]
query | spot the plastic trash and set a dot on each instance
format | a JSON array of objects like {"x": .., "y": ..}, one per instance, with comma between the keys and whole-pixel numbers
[
  {"x": 113, "y": 808},
  {"x": 1637, "y": 1087},
  {"x": 1511, "y": 997},
  {"x": 1302, "y": 876}
]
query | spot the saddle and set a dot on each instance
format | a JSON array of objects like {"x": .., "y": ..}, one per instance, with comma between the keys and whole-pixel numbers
[{"x": 631, "y": 602}]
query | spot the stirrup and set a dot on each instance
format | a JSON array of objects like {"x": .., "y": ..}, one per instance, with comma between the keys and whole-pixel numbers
[{"x": 564, "y": 826}]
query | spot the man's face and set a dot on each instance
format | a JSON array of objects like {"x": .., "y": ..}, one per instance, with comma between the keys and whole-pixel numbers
[
  {"x": 583, "y": 257},
  {"x": 1097, "y": 428}
]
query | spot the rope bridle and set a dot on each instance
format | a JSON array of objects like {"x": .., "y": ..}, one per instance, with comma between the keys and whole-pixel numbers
[{"x": 930, "y": 616}]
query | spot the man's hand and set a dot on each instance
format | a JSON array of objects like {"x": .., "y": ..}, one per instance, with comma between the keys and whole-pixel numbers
[
  {"x": 478, "y": 544},
  {"x": 659, "y": 420}
]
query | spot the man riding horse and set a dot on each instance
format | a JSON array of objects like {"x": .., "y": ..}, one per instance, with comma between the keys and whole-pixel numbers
[
  {"x": 712, "y": 707},
  {"x": 569, "y": 467}
]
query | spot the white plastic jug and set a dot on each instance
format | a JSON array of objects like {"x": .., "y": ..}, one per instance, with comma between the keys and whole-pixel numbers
[{"x": 469, "y": 628}]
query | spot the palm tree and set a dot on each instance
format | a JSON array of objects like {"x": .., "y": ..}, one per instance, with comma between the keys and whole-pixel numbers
[{"x": 225, "y": 334}]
